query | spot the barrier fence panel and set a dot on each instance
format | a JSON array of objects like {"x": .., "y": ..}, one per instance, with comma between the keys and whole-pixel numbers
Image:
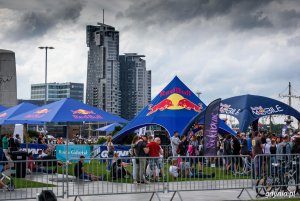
[
  {"x": 277, "y": 174},
  {"x": 24, "y": 179},
  {"x": 116, "y": 176},
  {"x": 209, "y": 173}
]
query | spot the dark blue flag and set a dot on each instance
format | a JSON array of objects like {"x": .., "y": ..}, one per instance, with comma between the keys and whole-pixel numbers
[{"x": 210, "y": 135}]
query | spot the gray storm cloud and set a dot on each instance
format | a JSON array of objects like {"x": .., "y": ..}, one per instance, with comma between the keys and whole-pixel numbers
[
  {"x": 171, "y": 11},
  {"x": 37, "y": 22}
]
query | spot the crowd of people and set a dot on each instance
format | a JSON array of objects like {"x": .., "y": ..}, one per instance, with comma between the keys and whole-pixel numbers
[
  {"x": 187, "y": 151},
  {"x": 236, "y": 150}
]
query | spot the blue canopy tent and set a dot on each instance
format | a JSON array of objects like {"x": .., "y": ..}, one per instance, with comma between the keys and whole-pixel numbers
[
  {"x": 109, "y": 128},
  {"x": 2, "y": 108},
  {"x": 14, "y": 111},
  {"x": 67, "y": 110},
  {"x": 249, "y": 108},
  {"x": 171, "y": 109}
]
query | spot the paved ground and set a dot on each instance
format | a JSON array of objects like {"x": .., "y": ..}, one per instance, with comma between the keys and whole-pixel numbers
[{"x": 87, "y": 188}]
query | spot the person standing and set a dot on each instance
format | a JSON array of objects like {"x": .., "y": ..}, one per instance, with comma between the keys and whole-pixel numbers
[
  {"x": 110, "y": 152},
  {"x": 154, "y": 151},
  {"x": 18, "y": 142},
  {"x": 227, "y": 152},
  {"x": 133, "y": 154},
  {"x": 5, "y": 145},
  {"x": 11, "y": 144},
  {"x": 174, "y": 143},
  {"x": 142, "y": 152}
]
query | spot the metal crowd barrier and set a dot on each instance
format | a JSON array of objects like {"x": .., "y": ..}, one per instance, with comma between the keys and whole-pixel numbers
[
  {"x": 17, "y": 181},
  {"x": 267, "y": 174},
  {"x": 277, "y": 174},
  {"x": 120, "y": 177},
  {"x": 199, "y": 173}
]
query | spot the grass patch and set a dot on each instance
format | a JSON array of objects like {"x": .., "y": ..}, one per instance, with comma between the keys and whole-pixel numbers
[
  {"x": 99, "y": 169},
  {"x": 25, "y": 183}
]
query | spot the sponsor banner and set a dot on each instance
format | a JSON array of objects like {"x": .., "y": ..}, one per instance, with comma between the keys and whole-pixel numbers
[
  {"x": 259, "y": 110},
  {"x": 100, "y": 151},
  {"x": 33, "y": 148},
  {"x": 74, "y": 152},
  {"x": 211, "y": 128}
]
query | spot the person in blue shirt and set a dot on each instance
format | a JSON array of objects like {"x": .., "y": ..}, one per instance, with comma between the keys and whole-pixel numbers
[{"x": 249, "y": 143}]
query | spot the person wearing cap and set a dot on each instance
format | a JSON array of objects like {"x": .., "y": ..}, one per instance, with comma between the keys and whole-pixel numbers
[{"x": 81, "y": 173}]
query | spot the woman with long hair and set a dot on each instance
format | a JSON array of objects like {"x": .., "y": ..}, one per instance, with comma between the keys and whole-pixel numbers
[
  {"x": 132, "y": 154},
  {"x": 110, "y": 152}
]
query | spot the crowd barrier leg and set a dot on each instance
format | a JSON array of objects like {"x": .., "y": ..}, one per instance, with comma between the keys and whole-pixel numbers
[
  {"x": 155, "y": 193},
  {"x": 177, "y": 194},
  {"x": 78, "y": 198},
  {"x": 244, "y": 189}
]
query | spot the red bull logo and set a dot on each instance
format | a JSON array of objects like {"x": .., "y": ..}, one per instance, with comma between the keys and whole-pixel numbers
[
  {"x": 174, "y": 102},
  {"x": 85, "y": 114},
  {"x": 38, "y": 114},
  {"x": 82, "y": 111},
  {"x": 2, "y": 115},
  {"x": 42, "y": 111}
]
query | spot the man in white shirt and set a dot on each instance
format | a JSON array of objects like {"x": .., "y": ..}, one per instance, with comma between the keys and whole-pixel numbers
[{"x": 174, "y": 143}]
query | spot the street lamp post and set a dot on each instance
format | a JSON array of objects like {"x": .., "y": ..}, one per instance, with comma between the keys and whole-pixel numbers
[{"x": 46, "y": 84}]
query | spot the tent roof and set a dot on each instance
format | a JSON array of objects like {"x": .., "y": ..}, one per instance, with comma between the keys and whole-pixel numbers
[
  {"x": 2, "y": 108},
  {"x": 13, "y": 111},
  {"x": 248, "y": 108},
  {"x": 109, "y": 128},
  {"x": 68, "y": 110},
  {"x": 172, "y": 109}
]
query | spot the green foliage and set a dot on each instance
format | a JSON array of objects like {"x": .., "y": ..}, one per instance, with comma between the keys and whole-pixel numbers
[
  {"x": 101, "y": 140},
  {"x": 117, "y": 129},
  {"x": 32, "y": 133}
]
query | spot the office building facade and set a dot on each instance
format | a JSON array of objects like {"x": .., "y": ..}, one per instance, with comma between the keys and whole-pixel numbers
[
  {"x": 135, "y": 84},
  {"x": 103, "y": 71},
  {"x": 57, "y": 91},
  {"x": 8, "y": 79}
]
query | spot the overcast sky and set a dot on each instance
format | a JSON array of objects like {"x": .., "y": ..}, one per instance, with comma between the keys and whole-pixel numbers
[{"x": 222, "y": 48}]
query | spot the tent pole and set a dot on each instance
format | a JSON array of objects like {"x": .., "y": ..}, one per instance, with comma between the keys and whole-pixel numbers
[
  {"x": 25, "y": 135},
  {"x": 67, "y": 157}
]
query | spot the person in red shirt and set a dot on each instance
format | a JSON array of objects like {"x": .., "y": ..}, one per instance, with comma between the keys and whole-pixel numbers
[{"x": 154, "y": 151}]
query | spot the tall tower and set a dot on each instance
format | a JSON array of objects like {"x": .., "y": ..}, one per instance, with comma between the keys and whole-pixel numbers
[
  {"x": 135, "y": 84},
  {"x": 8, "y": 79},
  {"x": 103, "y": 74}
]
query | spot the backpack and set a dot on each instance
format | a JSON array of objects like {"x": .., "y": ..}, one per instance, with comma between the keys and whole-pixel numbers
[
  {"x": 284, "y": 148},
  {"x": 178, "y": 148},
  {"x": 47, "y": 195}
]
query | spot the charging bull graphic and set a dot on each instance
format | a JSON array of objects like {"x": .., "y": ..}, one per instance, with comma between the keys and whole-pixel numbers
[
  {"x": 2, "y": 115},
  {"x": 174, "y": 102}
]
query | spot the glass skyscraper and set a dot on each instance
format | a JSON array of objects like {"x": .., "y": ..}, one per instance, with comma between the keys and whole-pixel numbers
[
  {"x": 135, "y": 84},
  {"x": 103, "y": 74}
]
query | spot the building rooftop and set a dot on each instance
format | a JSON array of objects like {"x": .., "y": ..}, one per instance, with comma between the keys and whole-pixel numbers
[{"x": 6, "y": 51}]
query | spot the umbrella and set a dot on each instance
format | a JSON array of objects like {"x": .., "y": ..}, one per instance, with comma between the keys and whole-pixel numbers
[
  {"x": 109, "y": 128},
  {"x": 67, "y": 110},
  {"x": 14, "y": 111}
]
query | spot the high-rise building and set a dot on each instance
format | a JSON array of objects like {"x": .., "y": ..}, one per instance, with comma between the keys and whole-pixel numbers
[
  {"x": 8, "y": 79},
  {"x": 103, "y": 74},
  {"x": 135, "y": 84},
  {"x": 57, "y": 91}
]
